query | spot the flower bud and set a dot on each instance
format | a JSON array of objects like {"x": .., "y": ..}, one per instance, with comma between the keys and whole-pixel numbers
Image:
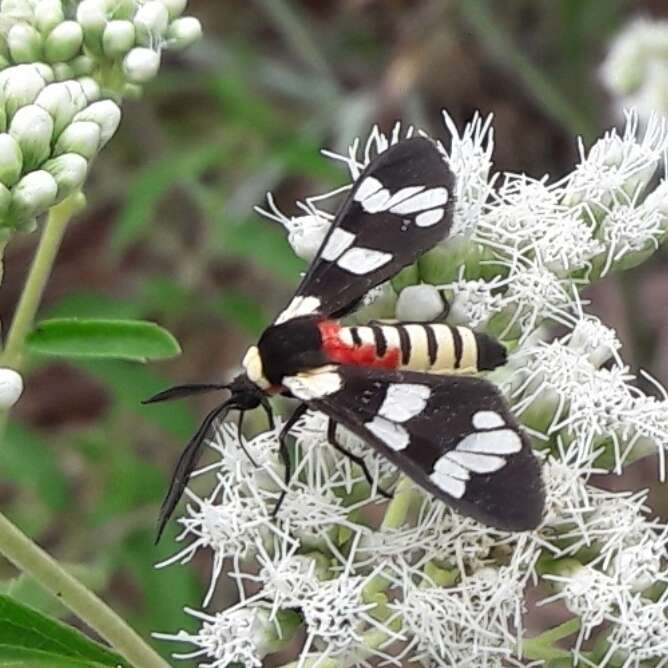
[
  {"x": 45, "y": 71},
  {"x": 141, "y": 65},
  {"x": 57, "y": 99},
  {"x": 11, "y": 160},
  {"x": 69, "y": 171},
  {"x": 106, "y": 114},
  {"x": 92, "y": 16},
  {"x": 118, "y": 38},
  {"x": 82, "y": 65},
  {"x": 32, "y": 127},
  {"x": 63, "y": 42},
  {"x": 184, "y": 31},
  {"x": 48, "y": 14},
  {"x": 90, "y": 88},
  {"x": 63, "y": 72},
  {"x": 175, "y": 7},
  {"x": 82, "y": 137},
  {"x": 151, "y": 22},
  {"x": 33, "y": 195},
  {"x": 25, "y": 43},
  {"x": 21, "y": 85},
  {"x": 11, "y": 387},
  {"x": 419, "y": 303},
  {"x": 5, "y": 201}
]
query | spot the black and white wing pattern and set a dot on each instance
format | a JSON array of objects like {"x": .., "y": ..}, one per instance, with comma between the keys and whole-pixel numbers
[
  {"x": 453, "y": 435},
  {"x": 399, "y": 207}
]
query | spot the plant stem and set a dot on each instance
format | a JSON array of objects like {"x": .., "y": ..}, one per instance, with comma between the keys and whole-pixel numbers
[
  {"x": 31, "y": 559},
  {"x": 541, "y": 647},
  {"x": 40, "y": 271}
]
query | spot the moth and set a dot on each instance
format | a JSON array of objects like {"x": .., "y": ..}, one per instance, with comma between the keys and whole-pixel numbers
[{"x": 408, "y": 390}]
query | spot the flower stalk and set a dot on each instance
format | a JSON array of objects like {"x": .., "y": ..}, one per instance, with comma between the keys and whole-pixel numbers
[{"x": 31, "y": 559}]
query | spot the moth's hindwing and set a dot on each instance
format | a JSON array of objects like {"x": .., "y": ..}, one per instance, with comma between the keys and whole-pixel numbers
[
  {"x": 452, "y": 435},
  {"x": 399, "y": 207}
]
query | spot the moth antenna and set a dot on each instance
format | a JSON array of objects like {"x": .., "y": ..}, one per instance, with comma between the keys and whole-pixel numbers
[
  {"x": 185, "y": 465},
  {"x": 182, "y": 391}
]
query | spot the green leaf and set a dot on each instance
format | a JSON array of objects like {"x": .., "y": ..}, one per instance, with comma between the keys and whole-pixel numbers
[
  {"x": 29, "y": 638},
  {"x": 111, "y": 339}
]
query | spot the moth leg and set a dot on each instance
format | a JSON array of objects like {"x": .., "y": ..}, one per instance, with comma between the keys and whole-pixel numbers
[
  {"x": 331, "y": 437},
  {"x": 285, "y": 453},
  {"x": 240, "y": 423}
]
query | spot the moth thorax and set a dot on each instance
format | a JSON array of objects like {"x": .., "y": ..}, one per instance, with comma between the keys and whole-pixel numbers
[
  {"x": 252, "y": 364},
  {"x": 491, "y": 353}
]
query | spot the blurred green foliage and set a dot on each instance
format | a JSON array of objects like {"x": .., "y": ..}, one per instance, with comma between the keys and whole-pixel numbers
[{"x": 170, "y": 234}]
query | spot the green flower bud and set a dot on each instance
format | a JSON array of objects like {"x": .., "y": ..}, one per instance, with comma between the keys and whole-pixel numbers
[
  {"x": 63, "y": 42},
  {"x": 45, "y": 71},
  {"x": 82, "y": 137},
  {"x": 124, "y": 10},
  {"x": 62, "y": 105},
  {"x": 11, "y": 160},
  {"x": 63, "y": 72},
  {"x": 92, "y": 16},
  {"x": 33, "y": 195},
  {"x": 118, "y": 38},
  {"x": 151, "y": 22},
  {"x": 90, "y": 88},
  {"x": 48, "y": 14},
  {"x": 82, "y": 65},
  {"x": 106, "y": 114},
  {"x": 32, "y": 127},
  {"x": 69, "y": 171},
  {"x": 407, "y": 276},
  {"x": 5, "y": 201},
  {"x": 21, "y": 10},
  {"x": 132, "y": 91},
  {"x": 21, "y": 85},
  {"x": 175, "y": 7},
  {"x": 25, "y": 43},
  {"x": 184, "y": 31},
  {"x": 141, "y": 65}
]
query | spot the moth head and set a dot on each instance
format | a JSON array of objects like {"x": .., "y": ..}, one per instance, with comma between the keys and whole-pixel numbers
[{"x": 254, "y": 369}]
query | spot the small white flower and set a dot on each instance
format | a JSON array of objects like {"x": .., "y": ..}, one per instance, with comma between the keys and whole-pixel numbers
[{"x": 141, "y": 64}]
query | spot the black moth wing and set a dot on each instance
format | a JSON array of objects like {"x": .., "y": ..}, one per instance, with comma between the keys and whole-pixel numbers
[
  {"x": 399, "y": 207},
  {"x": 453, "y": 435}
]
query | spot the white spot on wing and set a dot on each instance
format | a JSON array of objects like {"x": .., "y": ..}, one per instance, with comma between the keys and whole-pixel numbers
[
  {"x": 448, "y": 484},
  {"x": 338, "y": 241},
  {"x": 393, "y": 435},
  {"x": 314, "y": 384},
  {"x": 404, "y": 401},
  {"x": 498, "y": 442},
  {"x": 377, "y": 202},
  {"x": 298, "y": 306},
  {"x": 475, "y": 462},
  {"x": 428, "y": 218},
  {"x": 367, "y": 188},
  {"x": 445, "y": 466},
  {"x": 403, "y": 194},
  {"x": 487, "y": 420},
  {"x": 429, "y": 199},
  {"x": 362, "y": 261}
]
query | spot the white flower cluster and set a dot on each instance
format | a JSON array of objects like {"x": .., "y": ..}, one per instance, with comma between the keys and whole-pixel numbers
[
  {"x": 123, "y": 38},
  {"x": 412, "y": 579},
  {"x": 635, "y": 70},
  {"x": 49, "y": 133}
]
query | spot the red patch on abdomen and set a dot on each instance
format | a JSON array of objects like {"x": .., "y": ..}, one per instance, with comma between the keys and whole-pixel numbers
[{"x": 363, "y": 355}]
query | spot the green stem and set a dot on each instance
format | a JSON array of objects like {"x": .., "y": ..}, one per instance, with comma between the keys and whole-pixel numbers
[
  {"x": 31, "y": 559},
  {"x": 542, "y": 647},
  {"x": 40, "y": 271}
]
